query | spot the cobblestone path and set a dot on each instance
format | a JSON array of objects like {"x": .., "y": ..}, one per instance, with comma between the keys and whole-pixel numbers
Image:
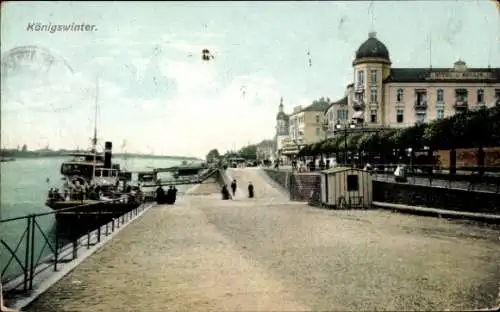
[{"x": 267, "y": 254}]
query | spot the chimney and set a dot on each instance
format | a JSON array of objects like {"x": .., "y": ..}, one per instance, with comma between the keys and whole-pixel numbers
[{"x": 108, "y": 146}]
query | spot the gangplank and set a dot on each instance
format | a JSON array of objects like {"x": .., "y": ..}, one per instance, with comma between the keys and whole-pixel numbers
[{"x": 182, "y": 175}]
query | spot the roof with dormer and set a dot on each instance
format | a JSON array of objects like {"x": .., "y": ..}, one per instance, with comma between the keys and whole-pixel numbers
[
  {"x": 418, "y": 75},
  {"x": 342, "y": 101}
]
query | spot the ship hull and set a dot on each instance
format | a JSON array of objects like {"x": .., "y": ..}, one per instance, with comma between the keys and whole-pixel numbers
[
  {"x": 91, "y": 208},
  {"x": 91, "y": 214}
]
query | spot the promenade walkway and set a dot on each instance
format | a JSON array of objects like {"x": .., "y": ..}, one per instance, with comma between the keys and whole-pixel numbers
[{"x": 268, "y": 254}]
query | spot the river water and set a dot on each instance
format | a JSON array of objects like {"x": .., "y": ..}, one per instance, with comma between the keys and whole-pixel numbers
[{"x": 23, "y": 191}]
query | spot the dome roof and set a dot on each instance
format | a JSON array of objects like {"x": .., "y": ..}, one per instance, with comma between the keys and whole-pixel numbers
[
  {"x": 372, "y": 48},
  {"x": 281, "y": 116}
]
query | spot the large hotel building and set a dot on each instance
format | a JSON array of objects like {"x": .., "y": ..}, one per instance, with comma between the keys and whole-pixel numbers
[{"x": 382, "y": 96}]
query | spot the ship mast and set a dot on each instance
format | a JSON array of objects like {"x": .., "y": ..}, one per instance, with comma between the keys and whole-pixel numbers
[{"x": 94, "y": 139}]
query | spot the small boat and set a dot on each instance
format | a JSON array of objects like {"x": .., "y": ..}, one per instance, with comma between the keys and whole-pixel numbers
[{"x": 6, "y": 159}]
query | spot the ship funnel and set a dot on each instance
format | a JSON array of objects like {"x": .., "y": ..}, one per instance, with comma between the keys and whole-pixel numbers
[{"x": 108, "y": 146}]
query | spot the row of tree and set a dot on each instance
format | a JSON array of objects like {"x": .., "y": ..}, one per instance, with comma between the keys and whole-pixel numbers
[
  {"x": 248, "y": 152},
  {"x": 465, "y": 130}
]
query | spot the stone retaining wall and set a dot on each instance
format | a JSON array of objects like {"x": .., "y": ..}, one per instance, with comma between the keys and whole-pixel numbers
[
  {"x": 222, "y": 178},
  {"x": 306, "y": 187},
  {"x": 436, "y": 197}
]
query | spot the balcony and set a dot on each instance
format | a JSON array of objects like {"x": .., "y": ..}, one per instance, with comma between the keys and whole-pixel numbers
[
  {"x": 360, "y": 88},
  {"x": 461, "y": 104},
  {"x": 358, "y": 105},
  {"x": 478, "y": 106},
  {"x": 420, "y": 105}
]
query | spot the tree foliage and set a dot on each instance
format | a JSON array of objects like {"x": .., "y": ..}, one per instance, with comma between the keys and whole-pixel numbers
[
  {"x": 464, "y": 130},
  {"x": 249, "y": 152},
  {"x": 212, "y": 155}
]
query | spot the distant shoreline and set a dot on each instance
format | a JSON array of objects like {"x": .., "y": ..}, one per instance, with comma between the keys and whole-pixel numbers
[{"x": 27, "y": 155}]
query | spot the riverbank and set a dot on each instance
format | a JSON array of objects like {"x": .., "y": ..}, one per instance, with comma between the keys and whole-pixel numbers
[
  {"x": 57, "y": 154},
  {"x": 23, "y": 191}
]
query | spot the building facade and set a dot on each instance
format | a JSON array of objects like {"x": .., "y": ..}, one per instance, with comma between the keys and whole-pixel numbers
[
  {"x": 385, "y": 97},
  {"x": 266, "y": 150},
  {"x": 302, "y": 127},
  {"x": 306, "y": 126},
  {"x": 282, "y": 128}
]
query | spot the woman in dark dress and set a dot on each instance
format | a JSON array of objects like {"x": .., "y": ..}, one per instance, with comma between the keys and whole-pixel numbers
[
  {"x": 160, "y": 195},
  {"x": 174, "y": 194},
  {"x": 250, "y": 190},
  {"x": 225, "y": 193}
]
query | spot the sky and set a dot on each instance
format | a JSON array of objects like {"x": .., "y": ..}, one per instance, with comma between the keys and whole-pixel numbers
[{"x": 142, "y": 64}]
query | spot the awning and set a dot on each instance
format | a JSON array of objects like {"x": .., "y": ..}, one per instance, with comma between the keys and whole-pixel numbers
[
  {"x": 290, "y": 152},
  {"x": 358, "y": 115}
]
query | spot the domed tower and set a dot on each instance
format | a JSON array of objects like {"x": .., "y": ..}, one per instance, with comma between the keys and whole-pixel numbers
[
  {"x": 281, "y": 121},
  {"x": 371, "y": 66}
]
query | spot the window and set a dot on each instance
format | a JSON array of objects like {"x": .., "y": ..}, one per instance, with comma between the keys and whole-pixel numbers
[
  {"x": 420, "y": 117},
  {"x": 318, "y": 131},
  {"x": 399, "y": 95},
  {"x": 374, "y": 76},
  {"x": 331, "y": 115},
  {"x": 461, "y": 95},
  {"x": 361, "y": 77},
  {"x": 399, "y": 115},
  {"x": 440, "y": 114},
  {"x": 317, "y": 118},
  {"x": 440, "y": 95},
  {"x": 421, "y": 98},
  {"x": 373, "y": 95},
  {"x": 373, "y": 116},
  {"x": 480, "y": 96},
  {"x": 342, "y": 114}
]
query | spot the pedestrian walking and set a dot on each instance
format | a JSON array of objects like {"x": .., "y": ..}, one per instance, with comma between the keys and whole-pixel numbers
[{"x": 234, "y": 186}]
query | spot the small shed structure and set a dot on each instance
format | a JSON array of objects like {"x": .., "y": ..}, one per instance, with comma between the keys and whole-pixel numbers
[{"x": 346, "y": 188}]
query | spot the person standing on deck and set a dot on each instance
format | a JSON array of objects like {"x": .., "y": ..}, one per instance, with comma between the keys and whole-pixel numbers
[{"x": 234, "y": 186}]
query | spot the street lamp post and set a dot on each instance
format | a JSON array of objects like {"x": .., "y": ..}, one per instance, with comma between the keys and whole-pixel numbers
[
  {"x": 325, "y": 127},
  {"x": 345, "y": 126}
]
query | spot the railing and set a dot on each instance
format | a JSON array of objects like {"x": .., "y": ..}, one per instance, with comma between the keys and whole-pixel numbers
[
  {"x": 186, "y": 180},
  {"x": 33, "y": 261},
  {"x": 426, "y": 175},
  {"x": 478, "y": 180},
  {"x": 420, "y": 104},
  {"x": 461, "y": 104}
]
